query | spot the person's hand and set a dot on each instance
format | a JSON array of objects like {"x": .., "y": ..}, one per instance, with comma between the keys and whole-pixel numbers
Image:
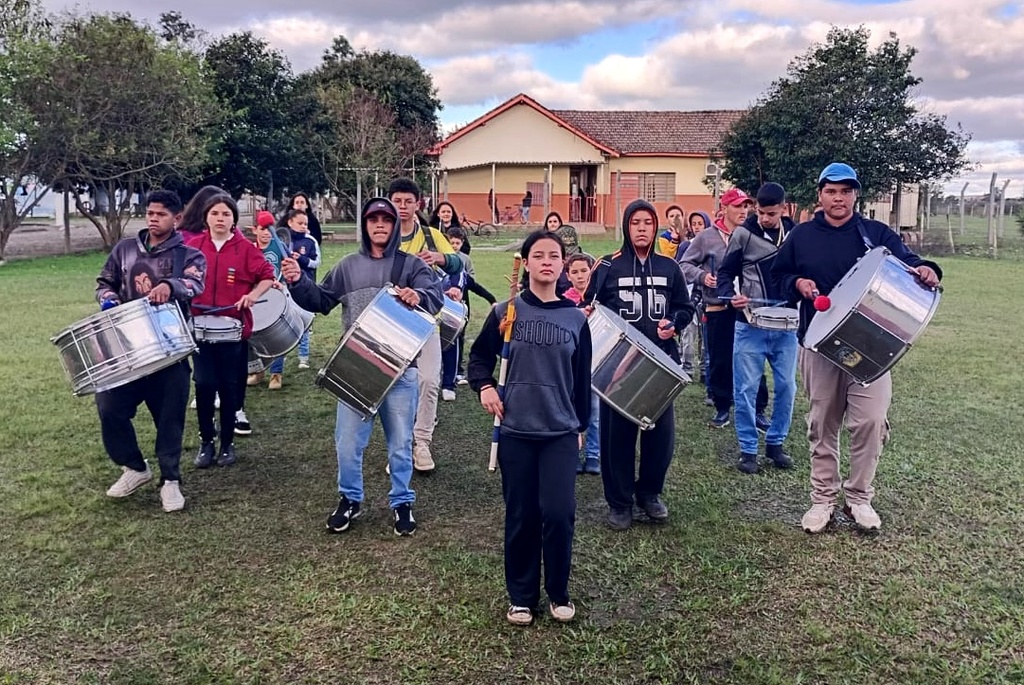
[
  {"x": 245, "y": 302},
  {"x": 290, "y": 270},
  {"x": 160, "y": 294},
  {"x": 277, "y": 285},
  {"x": 491, "y": 403},
  {"x": 927, "y": 275},
  {"x": 454, "y": 293},
  {"x": 109, "y": 303},
  {"x": 807, "y": 288},
  {"x": 666, "y": 329},
  {"x": 588, "y": 310},
  {"x": 431, "y": 258},
  {"x": 739, "y": 301},
  {"x": 710, "y": 281},
  {"x": 409, "y": 296}
]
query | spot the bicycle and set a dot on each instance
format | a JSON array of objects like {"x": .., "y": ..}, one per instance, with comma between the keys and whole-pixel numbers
[
  {"x": 511, "y": 215},
  {"x": 479, "y": 228}
]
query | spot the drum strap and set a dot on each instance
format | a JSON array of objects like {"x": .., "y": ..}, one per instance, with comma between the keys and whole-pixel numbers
[
  {"x": 864, "y": 235},
  {"x": 177, "y": 272},
  {"x": 397, "y": 265}
]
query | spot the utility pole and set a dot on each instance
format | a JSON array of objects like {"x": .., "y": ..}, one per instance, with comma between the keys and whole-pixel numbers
[
  {"x": 991, "y": 216},
  {"x": 1002, "y": 208},
  {"x": 963, "y": 192}
]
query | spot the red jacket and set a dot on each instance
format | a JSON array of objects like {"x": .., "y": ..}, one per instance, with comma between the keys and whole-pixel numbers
[{"x": 230, "y": 274}]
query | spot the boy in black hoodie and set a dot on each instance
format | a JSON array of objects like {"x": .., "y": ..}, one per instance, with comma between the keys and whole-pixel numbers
[
  {"x": 544, "y": 408},
  {"x": 647, "y": 290}
]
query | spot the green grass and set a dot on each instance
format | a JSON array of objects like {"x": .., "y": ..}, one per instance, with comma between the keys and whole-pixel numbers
[{"x": 245, "y": 587}]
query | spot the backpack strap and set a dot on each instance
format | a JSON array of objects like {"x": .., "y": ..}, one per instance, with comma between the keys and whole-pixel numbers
[{"x": 428, "y": 238}]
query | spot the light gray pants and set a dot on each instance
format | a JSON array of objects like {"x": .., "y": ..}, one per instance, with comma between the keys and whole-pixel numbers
[{"x": 429, "y": 366}]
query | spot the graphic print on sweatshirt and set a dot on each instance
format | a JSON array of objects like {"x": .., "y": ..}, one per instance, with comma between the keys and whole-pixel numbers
[{"x": 643, "y": 296}]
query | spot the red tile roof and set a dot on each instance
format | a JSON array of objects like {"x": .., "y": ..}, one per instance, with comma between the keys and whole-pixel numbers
[{"x": 653, "y": 132}]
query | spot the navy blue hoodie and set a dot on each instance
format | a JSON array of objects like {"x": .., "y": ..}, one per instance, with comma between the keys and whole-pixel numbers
[{"x": 642, "y": 291}]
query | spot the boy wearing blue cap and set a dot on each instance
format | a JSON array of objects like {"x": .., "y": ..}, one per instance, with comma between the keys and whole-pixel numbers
[{"x": 815, "y": 257}]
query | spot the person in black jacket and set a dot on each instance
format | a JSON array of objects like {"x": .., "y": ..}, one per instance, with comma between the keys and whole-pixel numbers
[
  {"x": 300, "y": 201},
  {"x": 815, "y": 257},
  {"x": 647, "y": 290},
  {"x": 543, "y": 410}
]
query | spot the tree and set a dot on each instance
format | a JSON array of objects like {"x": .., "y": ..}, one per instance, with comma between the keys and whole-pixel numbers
[
  {"x": 841, "y": 101},
  {"x": 122, "y": 111},
  {"x": 24, "y": 31}
]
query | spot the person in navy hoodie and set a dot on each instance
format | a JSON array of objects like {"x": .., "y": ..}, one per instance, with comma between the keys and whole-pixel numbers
[
  {"x": 812, "y": 261},
  {"x": 647, "y": 290},
  {"x": 305, "y": 251},
  {"x": 543, "y": 411}
]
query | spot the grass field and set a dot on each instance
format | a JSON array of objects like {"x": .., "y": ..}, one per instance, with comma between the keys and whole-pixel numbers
[{"x": 244, "y": 586}]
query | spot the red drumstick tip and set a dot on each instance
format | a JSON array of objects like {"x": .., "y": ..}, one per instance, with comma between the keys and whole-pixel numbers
[{"x": 822, "y": 303}]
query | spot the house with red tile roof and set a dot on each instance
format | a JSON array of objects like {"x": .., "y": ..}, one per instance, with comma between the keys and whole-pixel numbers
[{"x": 586, "y": 165}]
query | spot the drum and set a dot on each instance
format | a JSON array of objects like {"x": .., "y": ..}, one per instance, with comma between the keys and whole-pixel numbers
[
  {"x": 122, "y": 344},
  {"x": 277, "y": 324},
  {"x": 374, "y": 352},
  {"x": 216, "y": 329},
  {"x": 452, "y": 319},
  {"x": 878, "y": 310},
  {"x": 774, "y": 318},
  {"x": 629, "y": 372},
  {"x": 255, "y": 363}
]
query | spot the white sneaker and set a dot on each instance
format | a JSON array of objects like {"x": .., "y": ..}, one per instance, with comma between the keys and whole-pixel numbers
[
  {"x": 303, "y": 362},
  {"x": 448, "y": 395},
  {"x": 421, "y": 457},
  {"x": 817, "y": 518},
  {"x": 193, "y": 404},
  {"x": 216, "y": 402},
  {"x": 130, "y": 481},
  {"x": 864, "y": 516},
  {"x": 461, "y": 380},
  {"x": 170, "y": 495}
]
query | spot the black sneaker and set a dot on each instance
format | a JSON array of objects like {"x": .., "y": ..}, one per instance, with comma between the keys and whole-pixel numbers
[
  {"x": 762, "y": 423},
  {"x": 654, "y": 508},
  {"x": 347, "y": 511},
  {"x": 405, "y": 524},
  {"x": 227, "y": 456},
  {"x": 242, "y": 425},
  {"x": 778, "y": 456},
  {"x": 207, "y": 455},
  {"x": 720, "y": 420},
  {"x": 748, "y": 463},
  {"x": 620, "y": 519}
]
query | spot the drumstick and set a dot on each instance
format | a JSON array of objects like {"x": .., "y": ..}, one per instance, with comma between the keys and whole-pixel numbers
[
  {"x": 209, "y": 309},
  {"x": 506, "y": 329},
  {"x": 767, "y": 303}
]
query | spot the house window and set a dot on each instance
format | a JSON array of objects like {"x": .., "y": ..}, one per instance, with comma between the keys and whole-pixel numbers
[{"x": 658, "y": 187}]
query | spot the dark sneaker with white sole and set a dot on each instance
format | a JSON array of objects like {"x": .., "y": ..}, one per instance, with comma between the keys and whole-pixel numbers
[
  {"x": 207, "y": 456},
  {"x": 747, "y": 463},
  {"x": 620, "y": 519},
  {"x": 720, "y": 420},
  {"x": 227, "y": 456},
  {"x": 778, "y": 456},
  {"x": 762, "y": 423},
  {"x": 347, "y": 511},
  {"x": 405, "y": 524},
  {"x": 654, "y": 508}
]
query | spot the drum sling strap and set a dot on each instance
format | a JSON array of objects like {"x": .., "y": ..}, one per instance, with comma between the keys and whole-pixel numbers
[
  {"x": 397, "y": 265},
  {"x": 177, "y": 271}
]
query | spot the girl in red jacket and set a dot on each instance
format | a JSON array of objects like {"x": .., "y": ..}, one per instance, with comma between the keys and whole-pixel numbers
[{"x": 237, "y": 275}]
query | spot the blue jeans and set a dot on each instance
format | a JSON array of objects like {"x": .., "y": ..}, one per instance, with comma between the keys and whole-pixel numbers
[
  {"x": 352, "y": 434},
  {"x": 752, "y": 347},
  {"x": 277, "y": 366},
  {"x": 304, "y": 345},
  {"x": 592, "y": 442}
]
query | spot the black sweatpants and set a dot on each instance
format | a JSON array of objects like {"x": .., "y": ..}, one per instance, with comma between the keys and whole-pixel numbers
[
  {"x": 217, "y": 371},
  {"x": 166, "y": 396},
  {"x": 538, "y": 482},
  {"x": 721, "y": 327},
  {"x": 618, "y": 457}
]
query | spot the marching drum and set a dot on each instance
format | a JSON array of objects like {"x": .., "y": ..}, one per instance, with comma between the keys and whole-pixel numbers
[
  {"x": 216, "y": 329},
  {"x": 452, "y": 319},
  {"x": 877, "y": 311},
  {"x": 277, "y": 324},
  {"x": 120, "y": 345},
  {"x": 629, "y": 372},
  {"x": 255, "y": 364},
  {"x": 374, "y": 352},
  {"x": 774, "y": 318}
]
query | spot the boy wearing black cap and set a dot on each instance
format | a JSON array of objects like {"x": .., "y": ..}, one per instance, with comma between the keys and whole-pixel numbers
[
  {"x": 813, "y": 260},
  {"x": 748, "y": 257},
  {"x": 353, "y": 283}
]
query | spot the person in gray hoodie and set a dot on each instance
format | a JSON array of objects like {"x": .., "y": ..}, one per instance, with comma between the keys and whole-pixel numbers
[{"x": 353, "y": 283}]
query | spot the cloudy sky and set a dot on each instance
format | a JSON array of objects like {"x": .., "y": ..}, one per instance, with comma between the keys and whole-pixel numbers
[{"x": 654, "y": 54}]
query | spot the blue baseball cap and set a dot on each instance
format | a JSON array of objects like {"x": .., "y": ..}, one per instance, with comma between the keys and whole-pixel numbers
[{"x": 837, "y": 172}]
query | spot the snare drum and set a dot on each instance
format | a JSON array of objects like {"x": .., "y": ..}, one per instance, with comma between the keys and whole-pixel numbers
[
  {"x": 123, "y": 344},
  {"x": 278, "y": 324},
  {"x": 374, "y": 353},
  {"x": 629, "y": 372},
  {"x": 452, "y": 319},
  {"x": 216, "y": 329},
  {"x": 774, "y": 318},
  {"x": 255, "y": 364},
  {"x": 878, "y": 310}
]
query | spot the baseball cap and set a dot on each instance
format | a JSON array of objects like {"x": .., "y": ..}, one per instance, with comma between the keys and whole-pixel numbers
[
  {"x": 735, "y": 197},
  {"x": 379, "y": 205},
  {"x": 264, "y": 218},
  {"x": 771, "y": 194},
  {"x": 837, "y": 172}
]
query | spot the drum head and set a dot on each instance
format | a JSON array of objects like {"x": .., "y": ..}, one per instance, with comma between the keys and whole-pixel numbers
[
  {"x": 844, "y": 296},
  {"x": 264, "y": 314}
]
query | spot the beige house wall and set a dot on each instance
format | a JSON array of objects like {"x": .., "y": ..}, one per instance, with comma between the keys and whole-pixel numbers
[
  {"x": 520, "y": 134},
  {"x": 689, "y": 171}
]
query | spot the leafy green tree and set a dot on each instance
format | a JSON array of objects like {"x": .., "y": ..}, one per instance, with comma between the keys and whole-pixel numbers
[
  {"x": 121, "y": 110},
  {"x": 842, "y": 101}
]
